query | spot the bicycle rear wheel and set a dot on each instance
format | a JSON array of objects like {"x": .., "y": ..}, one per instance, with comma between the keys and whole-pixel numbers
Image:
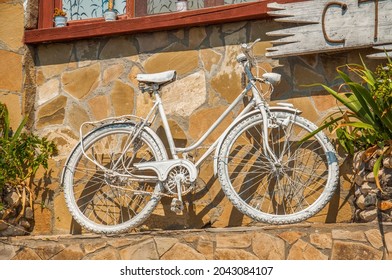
[
  {"x": 108, "y": 199},
  {"x": 290, "y": 191}
]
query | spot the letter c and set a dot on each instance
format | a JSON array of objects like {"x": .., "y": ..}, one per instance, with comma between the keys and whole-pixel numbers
[{"x": 327, "y": 38}]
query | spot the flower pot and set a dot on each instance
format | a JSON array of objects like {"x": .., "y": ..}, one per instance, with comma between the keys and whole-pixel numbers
[
  {"x": 110, "y": 15},
  {"x": 60, "y": 21},
  {"x": 181, "y": 6}
]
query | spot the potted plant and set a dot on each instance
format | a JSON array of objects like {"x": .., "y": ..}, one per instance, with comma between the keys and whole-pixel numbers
[
  {"x": 110, "y": 14},
  {"x": 21, "y": 154},
  {"x": 59, "y": 18},
  {"x": 364, "y": 129}
]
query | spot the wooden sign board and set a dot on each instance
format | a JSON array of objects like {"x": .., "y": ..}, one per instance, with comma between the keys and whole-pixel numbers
[{"x": 324, "y": 25}]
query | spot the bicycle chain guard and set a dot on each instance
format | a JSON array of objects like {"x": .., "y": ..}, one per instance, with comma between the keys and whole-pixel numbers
[{"x": 163, "y": 168}]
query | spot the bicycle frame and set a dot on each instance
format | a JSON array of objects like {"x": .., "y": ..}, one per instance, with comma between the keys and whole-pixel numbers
[{"x": 257, "y": 102}]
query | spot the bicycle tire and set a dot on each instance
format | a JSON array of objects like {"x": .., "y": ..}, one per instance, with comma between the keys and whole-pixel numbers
[
  {"x": 94, "y": 198},
  {"x": 289, "y": 192}
]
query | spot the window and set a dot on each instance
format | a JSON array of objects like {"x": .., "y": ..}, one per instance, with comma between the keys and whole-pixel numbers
[
  {"x": 165, "y": 6},
  {"x": 84, "y": 9},
  {"x": 87, "y": 9},
  {"x": 135, "y": 16}
]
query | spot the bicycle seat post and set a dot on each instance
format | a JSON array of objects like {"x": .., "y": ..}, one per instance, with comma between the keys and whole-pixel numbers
[{"x": 165, "y": 122}]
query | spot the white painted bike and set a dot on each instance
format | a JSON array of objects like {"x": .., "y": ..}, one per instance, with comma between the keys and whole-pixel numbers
[{"x": 117, "y": 173}]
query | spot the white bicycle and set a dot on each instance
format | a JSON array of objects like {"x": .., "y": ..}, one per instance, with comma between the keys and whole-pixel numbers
[{"x": 117, "y": 173}]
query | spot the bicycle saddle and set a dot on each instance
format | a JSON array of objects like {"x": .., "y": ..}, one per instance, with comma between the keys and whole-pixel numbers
[{"x": 157, "y": 78}]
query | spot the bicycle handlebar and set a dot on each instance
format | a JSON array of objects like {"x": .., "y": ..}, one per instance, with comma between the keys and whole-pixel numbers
[
  {"x": 246, "y": 49},
  {"x": 248, "y": 61}
]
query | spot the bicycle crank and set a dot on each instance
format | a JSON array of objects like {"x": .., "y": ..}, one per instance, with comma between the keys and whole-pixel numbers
[{"x": 177, "y": 179}]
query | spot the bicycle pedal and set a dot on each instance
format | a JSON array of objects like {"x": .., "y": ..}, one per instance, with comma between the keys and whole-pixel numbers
[{"x": 177, "y": 206}]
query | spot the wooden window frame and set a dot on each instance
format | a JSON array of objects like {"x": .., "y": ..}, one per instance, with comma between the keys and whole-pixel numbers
[{"x": 128, "y": 23}]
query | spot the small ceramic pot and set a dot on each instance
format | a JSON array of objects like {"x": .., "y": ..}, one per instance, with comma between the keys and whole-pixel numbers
[
  {"x": 60, "y": 21},
  {"x": 110, "y": 15}
]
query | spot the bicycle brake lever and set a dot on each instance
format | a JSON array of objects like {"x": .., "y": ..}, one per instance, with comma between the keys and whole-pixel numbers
[
  {"x": 250, "y": 46},
  {"x": 256, "y": 41}
]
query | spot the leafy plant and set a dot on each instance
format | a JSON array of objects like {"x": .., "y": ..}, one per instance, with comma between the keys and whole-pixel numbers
[
  {"x": 366, "y": 122},
  {"x": 21, "y": 153}
]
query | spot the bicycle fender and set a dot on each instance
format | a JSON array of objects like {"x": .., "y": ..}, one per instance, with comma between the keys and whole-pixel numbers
[{"x": 272, "y": 109}]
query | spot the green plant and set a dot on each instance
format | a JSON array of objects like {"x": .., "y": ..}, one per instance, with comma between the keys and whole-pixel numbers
[
  {"x": 366, "y": 122},
  {"x": 21, "y": 154}
]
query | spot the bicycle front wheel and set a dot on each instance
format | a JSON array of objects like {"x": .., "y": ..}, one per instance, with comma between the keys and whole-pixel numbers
[
  {"x": 288, "y": 190},
  {"x": 107, "y": 195}
]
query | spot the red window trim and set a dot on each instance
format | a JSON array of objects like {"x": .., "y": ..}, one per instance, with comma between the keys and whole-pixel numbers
[{"x": 128, "y": 24}]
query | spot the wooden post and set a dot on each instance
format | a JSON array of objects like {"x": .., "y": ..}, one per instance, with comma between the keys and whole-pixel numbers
[
  {"x": 140, "y": 8},
  {"x": 58, "y": 4},
  {"x": 131, "y": 8},
  {"x": 46, "y": 10},
  {"x": 213, "y": 3}
]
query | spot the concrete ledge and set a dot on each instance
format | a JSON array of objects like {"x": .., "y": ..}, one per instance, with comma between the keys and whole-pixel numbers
[{"x": 290, "y": 242}]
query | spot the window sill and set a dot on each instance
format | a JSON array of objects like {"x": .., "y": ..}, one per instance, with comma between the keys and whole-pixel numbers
[{"x": 98, "y": 27}]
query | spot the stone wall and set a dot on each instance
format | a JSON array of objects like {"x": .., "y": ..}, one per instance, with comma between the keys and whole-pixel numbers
[
  {"x": 295, "y": 242},
  {"x": 12, "y": 59},
  {"x": 64, "y": 84},
  {"x": 371, "y": 201}
]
